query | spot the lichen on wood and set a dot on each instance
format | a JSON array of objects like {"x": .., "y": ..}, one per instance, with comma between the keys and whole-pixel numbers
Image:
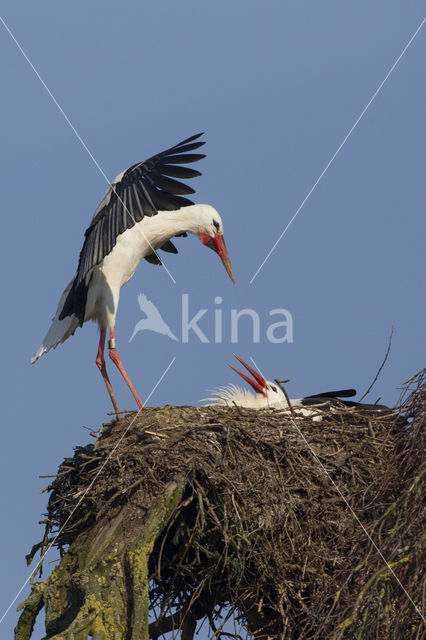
[{"x": 100, "y": 588}]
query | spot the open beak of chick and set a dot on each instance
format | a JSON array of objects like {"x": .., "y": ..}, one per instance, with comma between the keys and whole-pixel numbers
[{"x": 257, "y": 382}]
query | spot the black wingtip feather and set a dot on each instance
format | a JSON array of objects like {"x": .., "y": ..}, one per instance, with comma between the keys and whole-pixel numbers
[
  {"x": 171, "y": 186},
  {"x": 184, "y": 173},
  {"x": 190, "y": 139},
  {"x": 341, "y": 393},
  {"x": 185, "y": 158}
]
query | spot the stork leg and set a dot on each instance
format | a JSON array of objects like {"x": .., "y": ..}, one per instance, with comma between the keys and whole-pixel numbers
[
  {"x": 100, "y": 362},
  {"x": 113, "y": 354}
]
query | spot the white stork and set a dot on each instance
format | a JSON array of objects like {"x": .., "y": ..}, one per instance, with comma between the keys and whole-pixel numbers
[
  {"x": 141, "y": 210},
  {"x": 270, "y": 395}
]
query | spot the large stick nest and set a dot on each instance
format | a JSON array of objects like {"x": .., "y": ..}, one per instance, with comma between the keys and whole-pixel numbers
[{"x": 269, "y": 525}]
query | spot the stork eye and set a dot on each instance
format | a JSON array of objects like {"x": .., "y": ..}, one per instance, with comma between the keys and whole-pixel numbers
[
  {"x": 273, "y": 389},
  {"x": 216, "y": 225}
]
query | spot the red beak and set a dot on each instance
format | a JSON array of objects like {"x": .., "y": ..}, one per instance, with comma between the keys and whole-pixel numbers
[
  {"x": 258, "y": 383},
  {"x": 218, "y": 244}
]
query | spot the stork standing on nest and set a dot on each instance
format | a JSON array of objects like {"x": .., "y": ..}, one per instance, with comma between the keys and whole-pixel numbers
[
  {"x": 269, "y": 395},
  {"x": 142, "y": 209}
]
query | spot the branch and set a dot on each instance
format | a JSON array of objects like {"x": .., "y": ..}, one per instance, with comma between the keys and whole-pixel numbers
[{"x": 380, "y": 368}]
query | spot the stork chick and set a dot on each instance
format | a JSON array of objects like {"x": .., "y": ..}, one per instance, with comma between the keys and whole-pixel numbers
[{"x": 268, "y": 395}]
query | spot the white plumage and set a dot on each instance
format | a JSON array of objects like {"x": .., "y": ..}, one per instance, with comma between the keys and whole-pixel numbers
[
  {"x": 139, "y": 214},
  {"x": 269, "y": 395},
  {"x": 59, "y": 330},
  {"x": 273, "y": 398}
]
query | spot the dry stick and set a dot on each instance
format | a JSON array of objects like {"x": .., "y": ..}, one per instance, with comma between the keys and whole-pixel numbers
[
  {"x": 280, "y": 383},
  {"x": 380, "y": 368},
  {"x": 218, "y": 631},
  {"x": 238, "y": 408}
]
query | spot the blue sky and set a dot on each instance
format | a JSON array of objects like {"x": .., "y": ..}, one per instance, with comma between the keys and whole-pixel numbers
[{"x": 276, "y": 86}]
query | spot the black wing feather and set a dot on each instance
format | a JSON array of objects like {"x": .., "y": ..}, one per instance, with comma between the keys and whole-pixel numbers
[
  {"x": 185, "y": 158},
  {"x": 169, "y": 185},
  {"x": 153, "y": 259},
  {"x": 143, "y": 190},
  {"x": 342, "y": 393},
  {"x": 169, "y": 247},
  {"x": 188, "y": 147},
  {"x": 179, "y": 172}
]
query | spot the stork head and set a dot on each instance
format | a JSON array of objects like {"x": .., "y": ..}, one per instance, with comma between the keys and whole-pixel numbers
[
  {"x": 211, "y": 235},
  {"x": 268, "y": 391}
]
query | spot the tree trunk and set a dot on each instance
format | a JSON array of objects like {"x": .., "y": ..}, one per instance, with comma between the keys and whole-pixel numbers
[{"x": 100, "y": 587}]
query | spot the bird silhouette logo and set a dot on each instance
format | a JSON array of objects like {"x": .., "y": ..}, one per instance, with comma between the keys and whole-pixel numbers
[{"x": 153, "y": 320}]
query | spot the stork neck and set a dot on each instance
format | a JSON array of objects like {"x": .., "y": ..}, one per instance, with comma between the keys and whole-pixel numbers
[{"x": 187, "y": 219}]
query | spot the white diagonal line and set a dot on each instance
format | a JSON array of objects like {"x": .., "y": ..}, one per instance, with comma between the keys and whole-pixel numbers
[
  {"x": 80, "y": 139},
  {"x": 339, "y": 148},
  {"x": 349, "y": 507},
  {"x": 34, "y": 571},
  {"x": 160, "y": 379}
]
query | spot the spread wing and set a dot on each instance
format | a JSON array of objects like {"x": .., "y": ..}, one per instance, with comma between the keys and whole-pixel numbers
[{"x": 142, "y": 190}]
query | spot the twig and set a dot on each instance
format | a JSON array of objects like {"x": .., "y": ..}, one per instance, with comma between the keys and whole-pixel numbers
[
  {"x": 280, "y": 383},
  {"x": 380, "y": 368},
  {"x": 237, "y": 407}
]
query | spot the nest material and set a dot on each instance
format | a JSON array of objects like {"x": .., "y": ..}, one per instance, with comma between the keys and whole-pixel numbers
[{"x": 267, "y": 526}]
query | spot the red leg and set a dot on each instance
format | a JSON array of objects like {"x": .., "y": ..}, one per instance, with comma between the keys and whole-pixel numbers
[
  {"x": 113, "y": 354},
  {"x": 100, "y": 361}
]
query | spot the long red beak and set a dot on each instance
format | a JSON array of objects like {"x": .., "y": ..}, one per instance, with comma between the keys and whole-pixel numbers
[
  {"x": 218, "y": 244},
  {"x": 258, "y": 383}
]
